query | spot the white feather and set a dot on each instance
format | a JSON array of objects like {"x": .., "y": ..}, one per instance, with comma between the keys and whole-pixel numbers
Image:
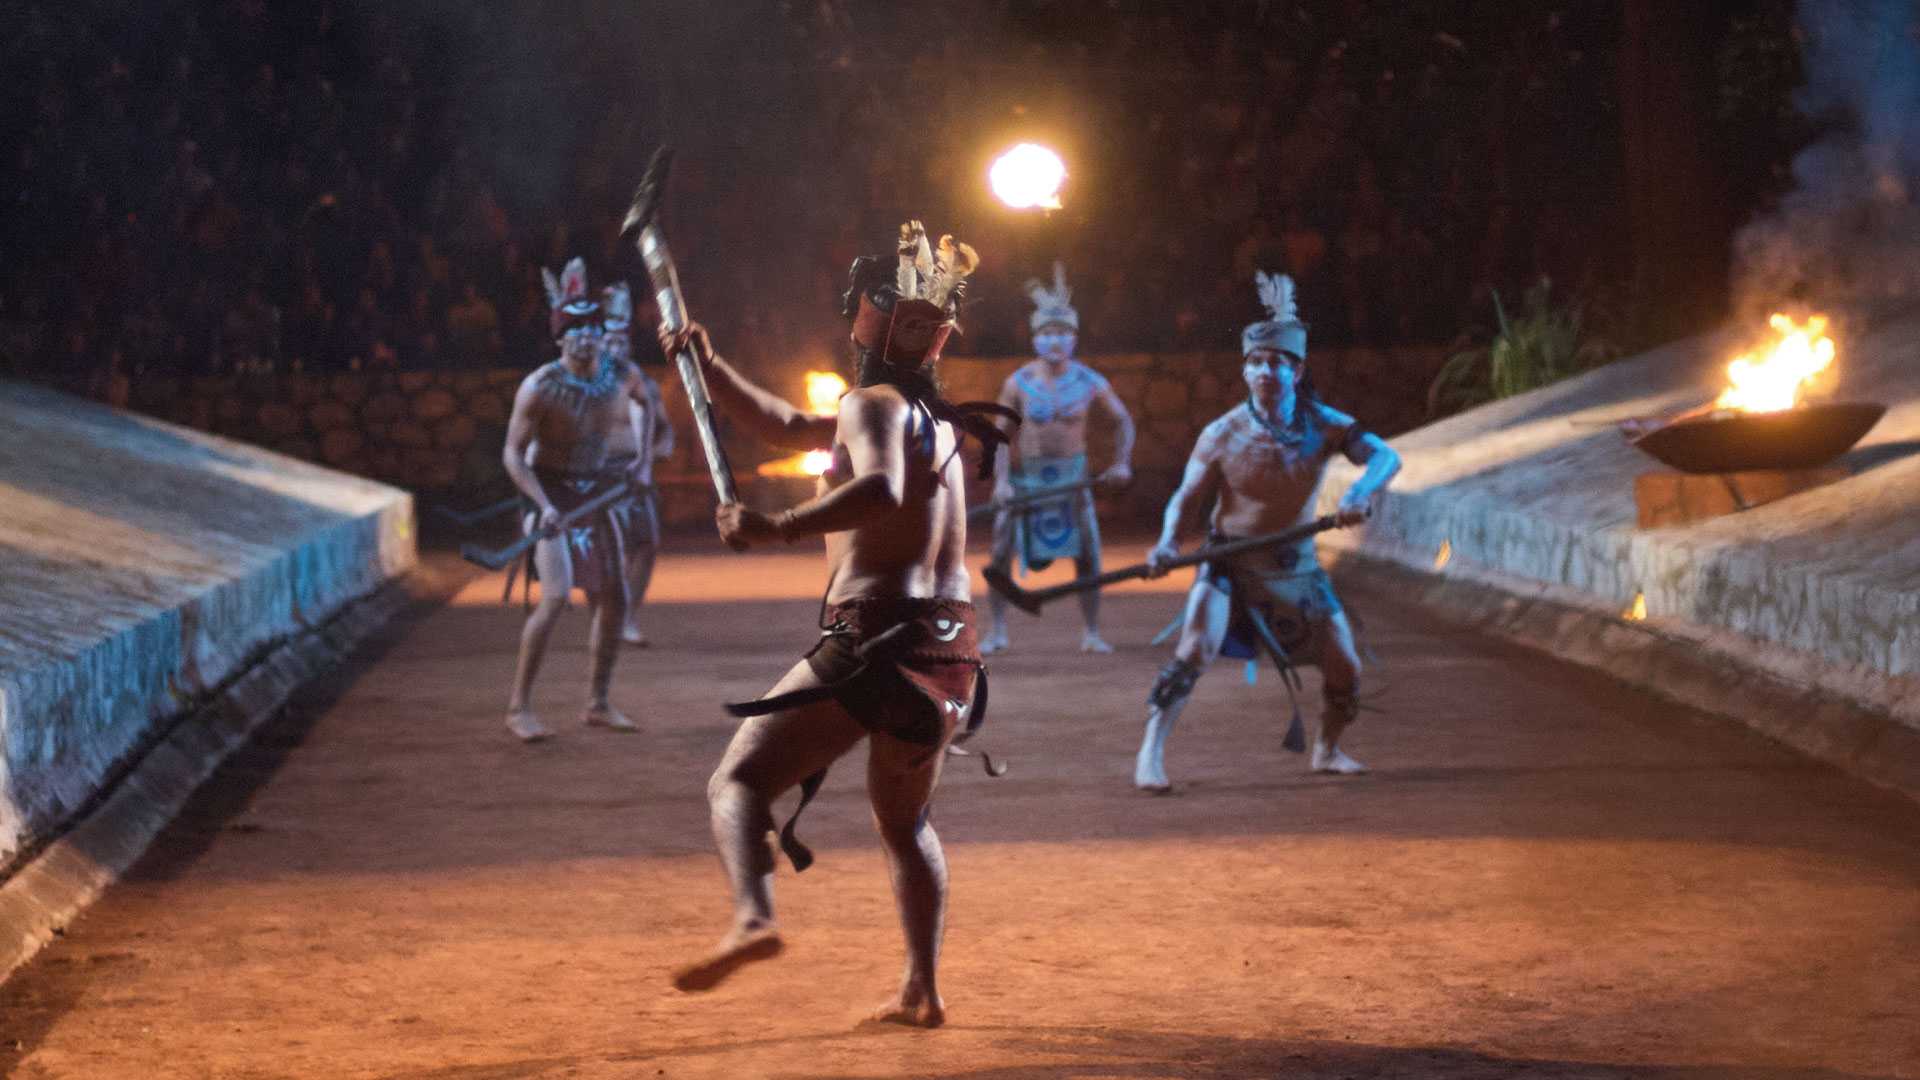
[
  {"x": 554, "y": 296},
  {"x": 906, "y": 278},
  {"x": 952, "y": 263},
  {"x": 1276, "y": 295},
  {"x": 1057, "y": 297}
]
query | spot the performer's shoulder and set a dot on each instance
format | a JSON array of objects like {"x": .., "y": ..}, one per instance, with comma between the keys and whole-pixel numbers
[
  {"x": 1099, "y": 381},
  {"x": 1328, "y": 416},
  {"x": 1218, "y": 430},
  {"x": 864, "y": 400},
  {"x": 540, "y": 376}
]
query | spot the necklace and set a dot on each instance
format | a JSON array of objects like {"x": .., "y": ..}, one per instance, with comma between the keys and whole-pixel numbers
[
  {"x": 602, "y": 383},
  {"x": 1290, "y": 435}
]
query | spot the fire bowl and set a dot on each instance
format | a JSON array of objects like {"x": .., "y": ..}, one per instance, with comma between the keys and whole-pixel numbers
[{"x": 1803, "y": 437}]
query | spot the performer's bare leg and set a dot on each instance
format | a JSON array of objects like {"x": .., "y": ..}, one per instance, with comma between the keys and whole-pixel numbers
[
  {"x": 556, "y": 582},
  {"x": 640, "y": 557},
  {"x": 900, "y": 781},
  {"x": 768, "y": 755},
  {"x": 640, "y": 561},
  {"x": 1340, "y": 674},
  {"x": 1205, "y": 628},
  {"x": 603, "y": 647},
  {"x": 1087, "y": 565},
  {"x": 1004, "y": 532}
]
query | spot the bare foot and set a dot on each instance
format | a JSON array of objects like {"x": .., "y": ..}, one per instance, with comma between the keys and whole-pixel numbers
[
  {"x": 1092, "y": 642},
  {"x": 994, "y": 642},
  {"x": 738, "y": 949},
  {"x": 524, "y": 724},
  {"x": 912, "y": 1008},
  {"x": 1332, "y": 759},
  {"x": 634, "y": 636},
  {"x": 607, "y": 716},
  {"x": 1150, "y": 769}
]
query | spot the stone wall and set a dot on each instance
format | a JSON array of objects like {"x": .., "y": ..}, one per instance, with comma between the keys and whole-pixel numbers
[
  {"x": 143, "y": 565},
  {"x": 1534, "y": 495},
  {"x": 439, "y": 433}
]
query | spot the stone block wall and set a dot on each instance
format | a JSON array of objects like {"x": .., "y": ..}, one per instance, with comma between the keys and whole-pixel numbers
[
  {"x": 431, "y": 431},
  {"x": 439, "y": 433}
]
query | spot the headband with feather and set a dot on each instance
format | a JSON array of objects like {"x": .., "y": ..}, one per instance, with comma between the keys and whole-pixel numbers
[
  {"x": 919, "y": 287},
  {"x": 616, "y": 306},
  {"x": 1052, "y": 307},
  {"x": 1282, "y": 328},
  {"x": 570, "y": 306}
]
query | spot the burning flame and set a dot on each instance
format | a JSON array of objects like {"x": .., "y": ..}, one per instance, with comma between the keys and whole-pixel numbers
[
  {"x": 824, "y": 390},
  {"x": 1028, "y": 177},
  {"x": 1444, "y": 555},
  {"x": 1638, "y": 612},
  {"x": 1771, "y": 380}
]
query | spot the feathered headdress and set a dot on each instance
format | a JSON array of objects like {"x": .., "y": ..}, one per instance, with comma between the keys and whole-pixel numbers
[
  {"x": 616, "y": 307},
  {"x": 570, "y": 306},
  {"x": 1052, "y": 307},
  {"x": 1282, "y": 328},
  {"x": 906, "y": 305}
]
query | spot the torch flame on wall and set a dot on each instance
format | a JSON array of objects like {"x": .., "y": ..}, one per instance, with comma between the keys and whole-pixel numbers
[
  {"x": 824, "y": 390},
  {"x": 1771, "y": 379},
  {"x": 1028, "y": 177}
]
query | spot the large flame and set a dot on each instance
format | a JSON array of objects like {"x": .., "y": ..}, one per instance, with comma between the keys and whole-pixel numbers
[
  {"x": 1028, "y": 177},
  {"x": 824, "y": 390},
  {"x": 1771, "y": 379}
]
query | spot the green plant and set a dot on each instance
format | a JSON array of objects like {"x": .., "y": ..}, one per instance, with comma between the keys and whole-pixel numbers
[{"x": 1543, "y": 345}]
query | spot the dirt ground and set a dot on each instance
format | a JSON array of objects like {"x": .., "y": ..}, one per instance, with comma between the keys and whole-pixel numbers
[{"x": 1545, "y": 875}]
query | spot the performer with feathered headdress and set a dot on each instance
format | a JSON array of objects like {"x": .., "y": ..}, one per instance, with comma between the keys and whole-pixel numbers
[
  {"x": 558, "y": 454},
  {"x": 897, "y": 661},
  {"x": 1261, "y": 466},
  {"x": 633, "y": 449},
  {"x": 1054, "y": 394}
]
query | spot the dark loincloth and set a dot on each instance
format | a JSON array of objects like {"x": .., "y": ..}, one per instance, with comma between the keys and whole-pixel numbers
[
  {"x": 596, "y": 547},
  {"x": 1280, "y": 607},
  {"x": 1295, "y": 604},
  {"x": 639, "y": 520},
  {"x": 902, "y": 667}
]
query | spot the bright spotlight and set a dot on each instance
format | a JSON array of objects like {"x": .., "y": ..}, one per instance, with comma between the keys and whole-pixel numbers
[{"x": 1028, "y": 177}]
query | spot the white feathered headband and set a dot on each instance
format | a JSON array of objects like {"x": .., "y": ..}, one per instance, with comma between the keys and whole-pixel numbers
[
  {"x": 906, "y": 307},
  {"x": 1282, "y": 328},
  {"x": 1052, "y": 307},
  {"x": 570, "y": 308}
]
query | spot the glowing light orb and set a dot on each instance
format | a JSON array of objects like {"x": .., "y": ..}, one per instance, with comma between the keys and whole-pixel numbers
[
  {"x": 1028, "y": 177},
  {"x": 1771, "y": 379},
  {"x": 816, "y": 462}
]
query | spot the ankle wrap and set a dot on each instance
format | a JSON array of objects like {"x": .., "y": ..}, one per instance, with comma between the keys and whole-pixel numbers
[{"x": 1174, "y": 684}]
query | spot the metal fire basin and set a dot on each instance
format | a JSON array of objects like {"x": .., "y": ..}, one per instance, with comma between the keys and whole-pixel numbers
[{"x": 1803, "y": 437}]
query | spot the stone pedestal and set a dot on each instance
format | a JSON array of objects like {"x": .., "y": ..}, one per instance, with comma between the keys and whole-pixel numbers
[{"x": 1676, "y": 498}]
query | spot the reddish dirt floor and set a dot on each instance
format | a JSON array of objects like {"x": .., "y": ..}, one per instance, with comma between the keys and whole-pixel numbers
[{"x": 1546, "y": 875}]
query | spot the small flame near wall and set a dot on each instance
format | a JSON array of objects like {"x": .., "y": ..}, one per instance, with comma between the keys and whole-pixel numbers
[
  {"x": 1444, "y": 555},
  {"x": 1637, "y": 612},
  {"x": 824, "y": 390}
]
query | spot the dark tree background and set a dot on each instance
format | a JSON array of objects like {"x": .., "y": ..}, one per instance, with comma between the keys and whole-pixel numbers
[{"x": 229, "y": 185}]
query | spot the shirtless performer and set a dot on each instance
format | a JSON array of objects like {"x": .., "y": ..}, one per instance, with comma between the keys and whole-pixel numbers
[
  {"x": 1053, "y": 395},
  {"x": 639, "y": 516},
  {"x": 897, "y": 663},
  {"x": 557, "y": 455},
  {"x": 1264, "y": 461}
]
